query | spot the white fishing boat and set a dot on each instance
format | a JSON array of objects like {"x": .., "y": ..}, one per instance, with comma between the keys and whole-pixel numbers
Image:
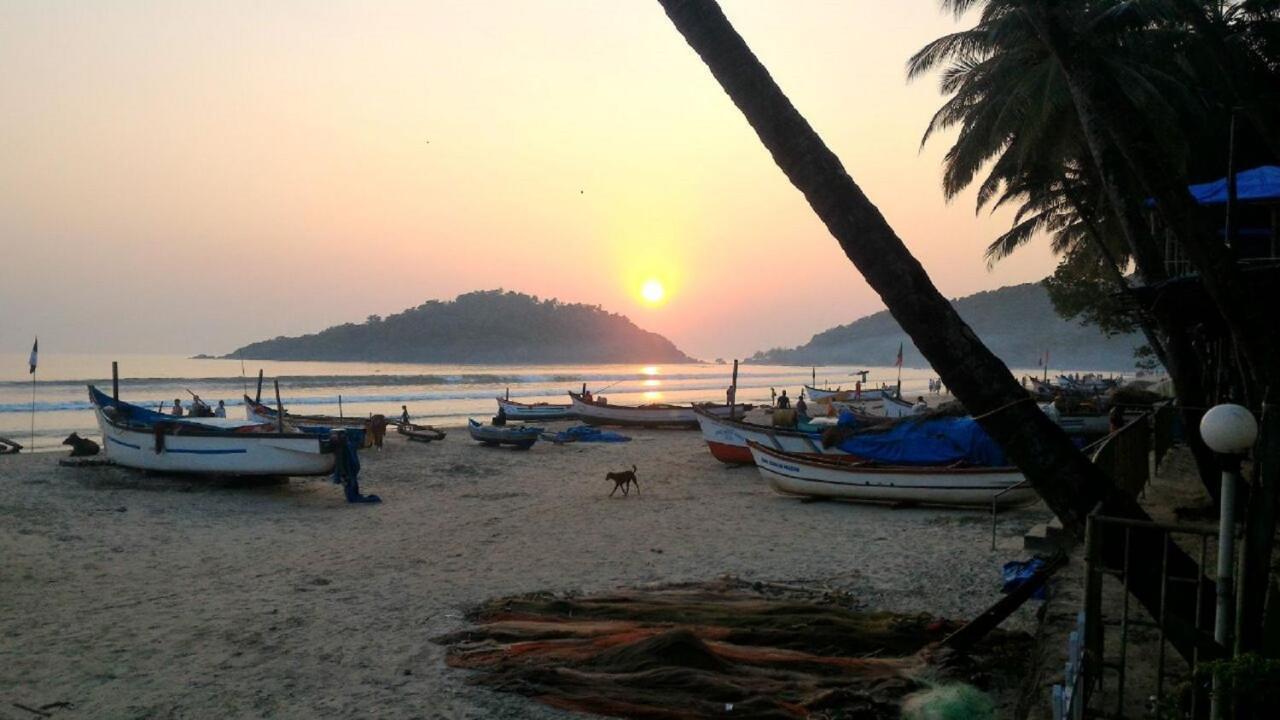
[
  {"x": 596, "y": 412},
  {"x": 847, "y": 478},
  {"x": 136, "y": 437},
  {"x": 727, "y": 439},
  {"x": 876, "y": 403},
  {"x": 814, "y": 393},
  {"x": 534, "y": 411}
]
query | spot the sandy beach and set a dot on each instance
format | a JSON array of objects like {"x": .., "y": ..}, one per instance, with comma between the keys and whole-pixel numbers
[{"x": 132, "y": 596}]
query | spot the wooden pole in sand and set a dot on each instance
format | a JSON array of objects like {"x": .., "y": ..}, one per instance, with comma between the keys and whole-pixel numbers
[
  {"x": 115, "y": 381},
  {"x": 339, "y": 405},
  {"x": 279, "y": 409},
  {"x": 733, "y": 396},
  {"x": 258, "y": 397},
  {"x": 33, "y": 409}
]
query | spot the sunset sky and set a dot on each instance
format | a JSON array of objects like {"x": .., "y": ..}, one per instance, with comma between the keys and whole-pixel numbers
[{"x": 187, "y": 177}]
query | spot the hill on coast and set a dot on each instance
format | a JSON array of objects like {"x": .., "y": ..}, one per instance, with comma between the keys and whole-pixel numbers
[
  {"x": 1018, "y": 323},
  {"x": 489, "y": 326}
]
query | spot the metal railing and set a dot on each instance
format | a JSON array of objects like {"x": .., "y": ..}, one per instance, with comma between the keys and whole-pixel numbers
[{"x": 1102, "y": 685}]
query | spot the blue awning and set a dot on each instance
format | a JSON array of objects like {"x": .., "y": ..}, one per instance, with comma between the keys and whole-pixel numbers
[{"x": 1260, "y": 183}]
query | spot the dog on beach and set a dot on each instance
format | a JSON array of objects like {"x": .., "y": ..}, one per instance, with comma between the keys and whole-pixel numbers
[
  {"x": 81, "y": 447},
  {"x": 623, "y": 479}
]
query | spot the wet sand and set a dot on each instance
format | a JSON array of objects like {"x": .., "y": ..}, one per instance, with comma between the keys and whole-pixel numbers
[{"x": 130, "y": 595}]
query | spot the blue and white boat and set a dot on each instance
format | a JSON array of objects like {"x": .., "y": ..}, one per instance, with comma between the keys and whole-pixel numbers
[{"x": 135, "y": 437}]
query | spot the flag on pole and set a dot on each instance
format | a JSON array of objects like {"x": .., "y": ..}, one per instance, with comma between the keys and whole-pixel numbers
[
  {"x": 35, "y": 350},
  {"x": 898, "y": 362}
]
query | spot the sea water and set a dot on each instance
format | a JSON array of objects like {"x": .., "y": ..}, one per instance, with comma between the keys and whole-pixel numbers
[{"x": 444, "y": 395}]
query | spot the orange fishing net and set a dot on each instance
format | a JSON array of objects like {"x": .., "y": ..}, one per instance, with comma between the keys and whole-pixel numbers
[{"x": 714, "y": 650}]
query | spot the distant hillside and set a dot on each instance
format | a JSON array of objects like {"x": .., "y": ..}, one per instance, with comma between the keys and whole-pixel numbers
[
  {"x": 1018, "y": 323},
  {"x": 481, "y": 327}
]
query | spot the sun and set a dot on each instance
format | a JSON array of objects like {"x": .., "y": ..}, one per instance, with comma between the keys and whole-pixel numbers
[{"x": 652, "y": 291}]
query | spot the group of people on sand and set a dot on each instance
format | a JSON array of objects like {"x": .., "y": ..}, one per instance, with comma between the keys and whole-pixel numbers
[
  {"x": 936, "y": 387},
  {"x": 198, "y": 408}
]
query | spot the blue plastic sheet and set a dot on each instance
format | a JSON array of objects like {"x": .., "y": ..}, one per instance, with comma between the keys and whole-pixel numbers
[
  {"x": 587, "y": 433},
  {"x": 1017, "y": 572},
  {"x": 346, "y": 467},
  {"x": 938, "y": 441}
]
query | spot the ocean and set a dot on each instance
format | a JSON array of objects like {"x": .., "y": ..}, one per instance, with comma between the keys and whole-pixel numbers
[{"x": 444, "y": 395}]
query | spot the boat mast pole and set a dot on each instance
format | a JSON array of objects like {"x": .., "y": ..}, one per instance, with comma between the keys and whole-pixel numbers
[
  {"x": 258, "y": 397},
  {"x": 33, "y": 409},
  {"x": 279, "y": 409}
]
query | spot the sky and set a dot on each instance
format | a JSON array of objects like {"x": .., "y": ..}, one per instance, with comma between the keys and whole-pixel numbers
[{"x": 186, "y": 176}]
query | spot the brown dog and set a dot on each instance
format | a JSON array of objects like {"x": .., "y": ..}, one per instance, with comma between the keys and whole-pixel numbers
[
  {"x": 81, "y": 447},
  {"x": 624, "y": 480}
]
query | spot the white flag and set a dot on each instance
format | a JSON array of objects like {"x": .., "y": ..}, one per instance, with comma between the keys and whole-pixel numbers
[{"x": 35, "y": 350}]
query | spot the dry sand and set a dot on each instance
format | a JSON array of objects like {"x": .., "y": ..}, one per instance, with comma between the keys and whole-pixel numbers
[{"x": 129, "y": 595}]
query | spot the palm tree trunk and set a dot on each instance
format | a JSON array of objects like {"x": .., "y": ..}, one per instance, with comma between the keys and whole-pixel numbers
[{"x": 1064, "y": 478}]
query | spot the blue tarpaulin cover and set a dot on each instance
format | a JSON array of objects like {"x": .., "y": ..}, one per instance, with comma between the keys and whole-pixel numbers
[
  {"x": 1017, "y": 572},
  {"x": 1260, "y": 183},
  {"x": 346, "y": 467},
  {"x": 587, "y": 433},
  {"x": 936, "y": 441}
]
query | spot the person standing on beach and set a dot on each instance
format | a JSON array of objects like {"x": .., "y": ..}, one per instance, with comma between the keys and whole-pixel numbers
[
  {"x": 802, "y": 410},
  {"x": 404, "y": 414},
  {"x": 177, "y": 407},
  {"x": 221, "y": 410},
  {"x": 784, "y": 402}
]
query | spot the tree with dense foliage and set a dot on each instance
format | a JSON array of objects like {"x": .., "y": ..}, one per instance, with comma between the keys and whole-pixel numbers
[
  {"x": 1064, "y": 478},
  {"x": 1078, "y": 111}
]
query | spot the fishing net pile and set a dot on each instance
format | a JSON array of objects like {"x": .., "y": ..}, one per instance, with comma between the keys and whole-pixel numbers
[{"x": 725, "y": 649}]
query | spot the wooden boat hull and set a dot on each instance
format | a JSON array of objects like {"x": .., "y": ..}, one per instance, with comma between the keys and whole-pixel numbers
[
  {"x": 521, "y": 438},
  {"x": 188, "y": 450},
  {"x": 727, "y": 439},
  {"x": 525, "y": 412},
  {"x": 651, "y": 416},
  {"x": 316, "y": 424},
  {"x": 793, "y": 474},
  {"x": 420, "y": 433}
]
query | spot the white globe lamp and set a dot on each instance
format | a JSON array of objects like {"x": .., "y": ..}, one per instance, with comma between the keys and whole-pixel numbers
[{"x": 1229, "y": 429}]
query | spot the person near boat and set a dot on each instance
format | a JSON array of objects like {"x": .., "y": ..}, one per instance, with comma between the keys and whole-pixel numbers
[
  {"x": 404, "y": 414},
  {"x": 784, "y": 402},
  {"x": 199, "y": 408},
  {"x": 802, "y": 409},
  {"x": 920, "y": 407},
  {"x": 221, "y": 410},
  {"x": 177, "y": 408}
]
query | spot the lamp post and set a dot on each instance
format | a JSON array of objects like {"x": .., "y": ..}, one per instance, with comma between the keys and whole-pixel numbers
[{"x": 1229, "y": 430}]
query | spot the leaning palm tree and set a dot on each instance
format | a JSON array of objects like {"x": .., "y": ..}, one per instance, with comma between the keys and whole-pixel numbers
[
  {"x": 1064, "y": 478},
  {"x": 1015, "y": 111}
]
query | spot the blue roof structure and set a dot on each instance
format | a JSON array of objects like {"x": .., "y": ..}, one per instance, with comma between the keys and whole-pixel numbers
[{"x": 1260, "y": 183}]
